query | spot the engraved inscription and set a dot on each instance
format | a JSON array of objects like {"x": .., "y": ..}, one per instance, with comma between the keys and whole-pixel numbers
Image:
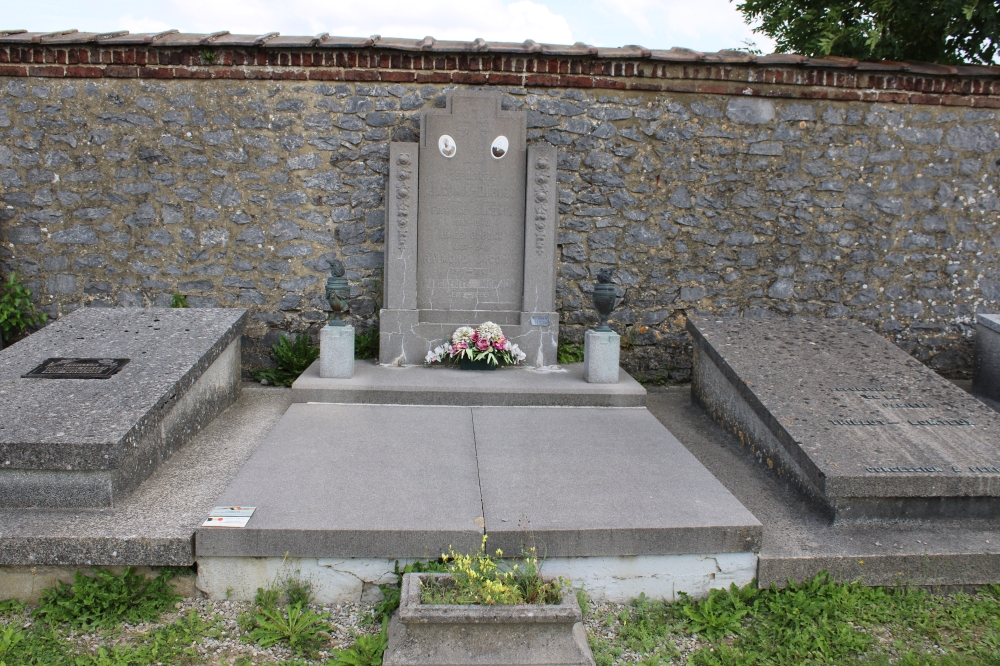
[
  {"x": 862, "y": 422},
  {"x": 860, "y": 390},
  {"x": 403, "y": 175},
  {"x": 539, "y": 320},
  {"x": 541, "y": 196},
  {"x": 907, "y": 405},
  {"x": 942, "y": 422},
  {"x": 470, "y": 248},
  {"x": 985, "y": 470},
  {"x": 903, "y": 470}
]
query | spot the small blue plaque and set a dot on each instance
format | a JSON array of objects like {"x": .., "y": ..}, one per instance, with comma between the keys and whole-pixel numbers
[{"x": 539, "y": 320}]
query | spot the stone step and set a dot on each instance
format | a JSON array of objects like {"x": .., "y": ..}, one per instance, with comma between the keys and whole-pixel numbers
[
  {"x": 90, "y": 442},
  {"x": 509, "y": 387}
]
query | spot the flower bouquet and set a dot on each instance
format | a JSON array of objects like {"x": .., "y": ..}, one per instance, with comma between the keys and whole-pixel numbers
[{"x": 485, "y": 344}]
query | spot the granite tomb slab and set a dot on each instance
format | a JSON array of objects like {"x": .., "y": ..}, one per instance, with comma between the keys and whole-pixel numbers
[
  {"x": 89, "y": 442},
  {"x": 857, "y": 423}
]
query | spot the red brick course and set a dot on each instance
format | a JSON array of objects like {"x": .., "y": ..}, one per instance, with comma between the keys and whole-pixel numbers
[{"x": 826, "y": 79}]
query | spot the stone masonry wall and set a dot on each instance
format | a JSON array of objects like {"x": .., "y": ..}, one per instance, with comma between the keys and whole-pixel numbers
[{"x": 123, "y": 192}]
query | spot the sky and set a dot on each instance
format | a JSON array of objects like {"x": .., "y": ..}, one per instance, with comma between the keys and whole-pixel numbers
[{"x": 704, "y": 25}]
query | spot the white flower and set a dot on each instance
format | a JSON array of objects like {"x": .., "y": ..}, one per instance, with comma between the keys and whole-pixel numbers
[
  {"x": 490, "y": 331},
  {"x": 462, "y": 334},
  {"x": 431, "y": 358},
  {"x": 506, "y": 344},
  {"x": 517, "y": 353}
]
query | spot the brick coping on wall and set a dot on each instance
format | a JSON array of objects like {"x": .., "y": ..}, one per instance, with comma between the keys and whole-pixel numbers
[{"x": 221, "y": 55}]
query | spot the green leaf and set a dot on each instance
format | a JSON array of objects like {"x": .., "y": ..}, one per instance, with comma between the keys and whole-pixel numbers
[
  {"x": 17, "y": 313},
  {"x": 292, "y": 359}
]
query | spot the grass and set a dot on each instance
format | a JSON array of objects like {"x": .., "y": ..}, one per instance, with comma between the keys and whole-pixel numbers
[
  {"x": 106, "y": 600},
  {"x": 113, "y": 620},
  {"x": 817, "y": 622}
]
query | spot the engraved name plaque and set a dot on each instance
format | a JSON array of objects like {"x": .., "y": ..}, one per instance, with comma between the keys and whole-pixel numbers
[{"x": 77, "y": 368}]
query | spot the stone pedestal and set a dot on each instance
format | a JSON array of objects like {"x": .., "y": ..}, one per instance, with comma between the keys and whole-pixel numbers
[
  {"x": 600, "y": 357},
  {"x": 336, "y": 352},
  {"x": 986, "y": 362}
]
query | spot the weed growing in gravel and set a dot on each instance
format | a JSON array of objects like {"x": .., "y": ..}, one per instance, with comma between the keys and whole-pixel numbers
[
  {"x": 302, "y": 629},
  {"x": 47, "y": 645},
  {"x": 106, "y": 600},
  {"x": 366, "y": 651}
]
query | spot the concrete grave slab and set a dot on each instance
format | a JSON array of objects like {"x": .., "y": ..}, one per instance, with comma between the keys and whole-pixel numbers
[
  {"x": 89, "y": 442},
  {"x": 391, "y": 481},
  {"x": 513, "y": 386},
  {"x": 357, "y": 481},
  {"x": 600, "y": 482},
  {"x": 860, "y": 426}
]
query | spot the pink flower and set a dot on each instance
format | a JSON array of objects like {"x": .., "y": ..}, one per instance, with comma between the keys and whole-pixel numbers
[
  {"x": 498, "y": 345},
  {"x": 482, "y": 344}
]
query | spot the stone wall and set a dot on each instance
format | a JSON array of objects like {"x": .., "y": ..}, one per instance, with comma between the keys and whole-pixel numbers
[{"x": 123, "y": 192}]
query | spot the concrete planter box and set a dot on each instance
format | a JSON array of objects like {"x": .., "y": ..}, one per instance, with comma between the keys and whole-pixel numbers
[{"x": 436, "y": 635}]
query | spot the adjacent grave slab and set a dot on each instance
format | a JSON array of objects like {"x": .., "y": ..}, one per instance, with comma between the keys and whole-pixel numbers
[
  {"x": 154, "y": 525},
  {"x": 513, "y": 386},
  {"x": 858, "y": 424},
  {"x": 395, "y": 481},
  {"x": 89, "y": 442}
]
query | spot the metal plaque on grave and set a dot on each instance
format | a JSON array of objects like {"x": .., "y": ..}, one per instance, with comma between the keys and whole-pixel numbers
[
  {"x": 77, "y": 368},
  {"x": 471, "y": 208}
]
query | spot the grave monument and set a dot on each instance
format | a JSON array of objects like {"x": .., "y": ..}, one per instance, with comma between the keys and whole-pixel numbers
[
  {"x": 854, "y": 421},
  {"x": 94, "y": 402},
  {"x": 470, "y": 232}
]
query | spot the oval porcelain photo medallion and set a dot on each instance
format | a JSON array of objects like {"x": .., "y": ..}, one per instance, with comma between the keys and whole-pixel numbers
[
  {"x": 499, "y": 147},
  {"x": 447, "y": 146}
]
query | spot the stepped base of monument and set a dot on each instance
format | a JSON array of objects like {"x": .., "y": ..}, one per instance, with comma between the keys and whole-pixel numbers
[{"x": 508, "y": 387}]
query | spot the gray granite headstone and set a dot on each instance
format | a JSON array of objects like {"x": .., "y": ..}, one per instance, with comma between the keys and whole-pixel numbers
[
  {"x": 470, "y": 232},
  {"x": 853, "y": 420}
]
